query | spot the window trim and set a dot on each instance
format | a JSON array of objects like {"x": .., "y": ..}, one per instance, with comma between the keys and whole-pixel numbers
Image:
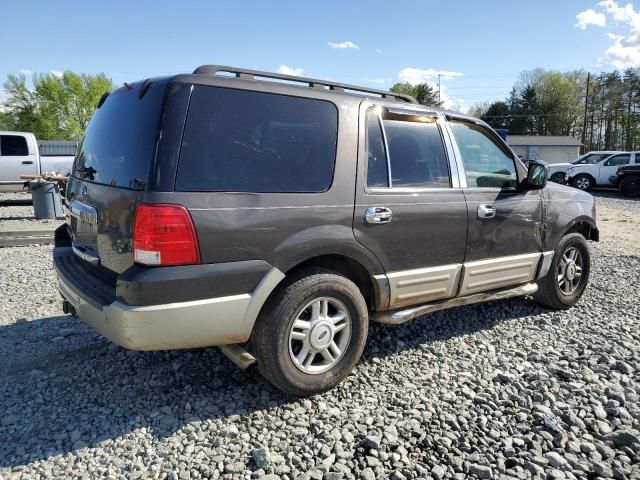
[
  {"x": 446, "y": 147},
  {"x": 495, "y": 138}
]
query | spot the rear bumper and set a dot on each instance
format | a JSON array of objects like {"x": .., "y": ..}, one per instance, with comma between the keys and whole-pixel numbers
[{"x": 198, "y": 323}]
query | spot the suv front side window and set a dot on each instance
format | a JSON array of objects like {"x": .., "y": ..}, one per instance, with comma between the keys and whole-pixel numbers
[
  {"x": 409, "y": 152},
  {"x": 590, "y": 159},
  {"x": 616, "y": 160},
  {"x": 486, "y": 163}
]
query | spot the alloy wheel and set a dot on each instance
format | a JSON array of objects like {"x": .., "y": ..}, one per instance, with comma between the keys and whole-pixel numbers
[
  {"x": 570, "y": 271},
  {"x": 319, "y": 335},
  {"x": 583, "y": 183}
]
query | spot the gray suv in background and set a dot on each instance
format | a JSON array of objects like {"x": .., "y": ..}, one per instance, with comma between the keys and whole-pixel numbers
[{"x": 275, "y": 216}]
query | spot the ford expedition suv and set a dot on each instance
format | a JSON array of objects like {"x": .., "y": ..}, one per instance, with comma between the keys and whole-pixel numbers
[{"x": 275, "y": 216}]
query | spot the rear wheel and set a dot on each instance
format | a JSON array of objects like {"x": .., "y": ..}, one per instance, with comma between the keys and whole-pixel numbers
[
  {"x": 583, "y": 182},
  {"x": 312, "y": 333},
  {"x": 564, "y": 283},
  {"x": 630, "y": 186}
]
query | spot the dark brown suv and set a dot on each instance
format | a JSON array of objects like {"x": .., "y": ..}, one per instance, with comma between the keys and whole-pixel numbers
[{"x": 275, "y": 216}]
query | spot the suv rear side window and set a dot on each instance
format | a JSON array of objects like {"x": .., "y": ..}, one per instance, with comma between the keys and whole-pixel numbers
[
  {"x": 486, "y": 163},
  {"x": 416, "y": 155},
  {"x": 13, "y": 146},
  {"x": 247, "y": 141},
  {"x": 616, "y": 160}
]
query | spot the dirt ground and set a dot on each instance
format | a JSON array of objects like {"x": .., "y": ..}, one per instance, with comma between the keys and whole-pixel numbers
[{"x": 619, "y": 229}]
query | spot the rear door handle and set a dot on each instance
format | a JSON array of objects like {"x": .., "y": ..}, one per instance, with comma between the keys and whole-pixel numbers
[
  {"x": 486, "y": 211},
  {"x": 377, "y": 215},
  {"x": 28, "y": 162}
]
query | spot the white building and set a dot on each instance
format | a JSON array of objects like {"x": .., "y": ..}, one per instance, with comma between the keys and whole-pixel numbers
[{"x": 551, "y": 149}]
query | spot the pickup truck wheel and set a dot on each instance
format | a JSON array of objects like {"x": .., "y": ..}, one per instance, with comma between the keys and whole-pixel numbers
[
  {"x": 630, "y": 186},
  {"x": 558, "y": 177},
  {"x": 564, "y": 283},
  {"x": 583, "y": 182},
  {"x": 311, "y": 333}
]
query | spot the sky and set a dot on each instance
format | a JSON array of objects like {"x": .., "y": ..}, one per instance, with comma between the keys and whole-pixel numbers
[{"x": 478, "y": 47}]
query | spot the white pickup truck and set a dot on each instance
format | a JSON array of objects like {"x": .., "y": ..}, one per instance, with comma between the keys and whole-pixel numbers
[
  {"x": 598, "y": 171},
  {"x": 19, "y": 155}
]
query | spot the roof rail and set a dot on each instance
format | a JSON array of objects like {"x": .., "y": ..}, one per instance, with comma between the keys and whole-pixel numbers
[{"x": 311, "y": 82}]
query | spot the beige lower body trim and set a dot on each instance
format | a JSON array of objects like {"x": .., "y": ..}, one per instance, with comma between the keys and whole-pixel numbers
[
  {"x": 409, "y": 287},
  {"x": 199, "y": 323},
  {"x": 499, "y": 272}
]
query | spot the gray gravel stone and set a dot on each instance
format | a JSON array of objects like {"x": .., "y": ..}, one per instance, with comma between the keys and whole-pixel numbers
[
  {"x": 367, "y": 474},
  {"x": 480, "y": 471}
]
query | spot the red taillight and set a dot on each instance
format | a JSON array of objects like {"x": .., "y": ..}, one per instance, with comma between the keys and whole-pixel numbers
[{"x": 163, "y": 234}]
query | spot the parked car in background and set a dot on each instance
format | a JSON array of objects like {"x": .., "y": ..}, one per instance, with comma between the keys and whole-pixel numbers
[
  {"x": 275, "y": 216},
  {"x": 586, "y": 175},
  {"x": 627, "y": 179},
  {"x": 558, "y": 171},
  {"x": 20, "y": 155}
]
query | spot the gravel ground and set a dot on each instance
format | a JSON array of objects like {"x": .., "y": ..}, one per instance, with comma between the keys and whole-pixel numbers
[
  {"x": 500, "y": 390},
  {"x": 14, "y": 218}
]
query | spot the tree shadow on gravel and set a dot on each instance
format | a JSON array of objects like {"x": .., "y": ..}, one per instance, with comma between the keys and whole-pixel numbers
[{"x": 63, "y": 387}]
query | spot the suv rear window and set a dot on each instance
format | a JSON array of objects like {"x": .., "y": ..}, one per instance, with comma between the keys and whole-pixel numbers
[
  {"x": 119, "y": 142},
  {"x": 246, "y": 141}
]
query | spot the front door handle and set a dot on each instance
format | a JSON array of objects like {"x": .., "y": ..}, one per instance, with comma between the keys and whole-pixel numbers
[
  {"x": 377, "y": 215},
  {"x": 28, "y": 162},
  {"x": 486, "y": 211}
]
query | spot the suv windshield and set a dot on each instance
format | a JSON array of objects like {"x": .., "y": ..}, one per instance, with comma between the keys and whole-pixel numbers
[
  {"x": 119, "y": 142},
  {"x": 591, "y": 158}
]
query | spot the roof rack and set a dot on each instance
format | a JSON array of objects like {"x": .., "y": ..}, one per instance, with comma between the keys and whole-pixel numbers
[{"x": 311, "y": 82}]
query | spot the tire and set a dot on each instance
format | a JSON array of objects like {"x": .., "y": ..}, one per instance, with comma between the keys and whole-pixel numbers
[
  {"x": 583, "y": 182},
  {"x": 556, "y": 293},
  {"x": 630, "y": 186},
  {"x": 558, "y": 177},
  {"x": 278, "y": 346}
]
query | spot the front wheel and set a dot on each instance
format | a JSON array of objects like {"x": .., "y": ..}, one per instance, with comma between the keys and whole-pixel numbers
[
  {"x": 583, "y": 182},
  {"x": 564, "y": 283},
  {"x": 630, "y": 186},
  {"x": 311, "y": 334}
]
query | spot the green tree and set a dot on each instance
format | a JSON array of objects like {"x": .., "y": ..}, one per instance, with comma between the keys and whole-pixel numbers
[
  {"x": 497, "y": 115},
  {"x": 56, "y": 107},
  {"x": 424, "y": 93},
  {"x": 6, "y": 122}
]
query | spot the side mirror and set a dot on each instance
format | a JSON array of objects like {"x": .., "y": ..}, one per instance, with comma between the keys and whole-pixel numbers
[{"x": 536, "y": 176}]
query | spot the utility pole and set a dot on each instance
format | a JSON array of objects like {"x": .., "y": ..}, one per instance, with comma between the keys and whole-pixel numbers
[
  {"x": 586, "y": 109},
  {"x": 438, "y": 89}
]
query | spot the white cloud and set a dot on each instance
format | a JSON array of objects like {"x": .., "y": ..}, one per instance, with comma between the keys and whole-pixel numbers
[
  {"x": 26, "y": 72},
  {"x": 347, "y": 44},
  {"x": 590, "y": 17},
  {"x": 287, "y": 70},
  {"x": 429, "y": 76},
  {"x": 621, "y": 54},
  {"x": 418, "y": 75},
  {"x": 624, "y": 51},
  {"x": 56, "y": 73}
]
